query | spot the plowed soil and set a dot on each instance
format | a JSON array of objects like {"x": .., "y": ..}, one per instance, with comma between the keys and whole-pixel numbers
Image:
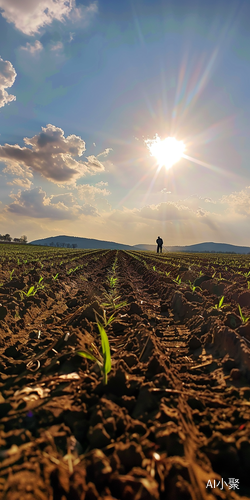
[{"x": 173, "y": 420}]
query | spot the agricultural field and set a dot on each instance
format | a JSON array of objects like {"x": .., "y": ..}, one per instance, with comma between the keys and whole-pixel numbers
[{"x": 123, "y": 375}]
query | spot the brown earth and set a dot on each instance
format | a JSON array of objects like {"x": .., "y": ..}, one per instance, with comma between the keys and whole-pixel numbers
[{"x": 172, "y": 421}]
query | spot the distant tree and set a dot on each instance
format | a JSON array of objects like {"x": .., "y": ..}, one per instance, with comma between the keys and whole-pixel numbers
[
  {"x": 57, "y": 244},
  {"x": 7, "y": 237},
  {"x": 68, "y": 245},
  {"x": 63, "y": 245},
  {"x": 24, "y": 238},
  {"x": 52, "y": 243},
  {"x": 17, "y": 240},
  {"x": 74, "y": 245}
]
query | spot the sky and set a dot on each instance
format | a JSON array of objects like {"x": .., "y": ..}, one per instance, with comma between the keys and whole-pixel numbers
[{"x": 83, "y": 86}]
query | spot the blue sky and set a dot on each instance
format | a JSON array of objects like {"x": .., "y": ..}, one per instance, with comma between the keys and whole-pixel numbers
[{"x": 83, "y": 85}]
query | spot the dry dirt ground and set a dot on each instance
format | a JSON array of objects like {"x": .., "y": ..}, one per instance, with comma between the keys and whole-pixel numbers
[{"x": 173, "y": 420}]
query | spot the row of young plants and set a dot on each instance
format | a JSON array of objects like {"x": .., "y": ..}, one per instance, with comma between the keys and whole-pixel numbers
[
  {"x": 112, "y": 306},
  {"x": 192, "y": 286},
  {"x": 181, "y": 261},
  {"x": 18, "y": 274},
  {"x": 238, "y": 265}
]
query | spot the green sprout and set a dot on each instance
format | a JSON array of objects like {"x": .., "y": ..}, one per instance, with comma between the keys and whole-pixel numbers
[
  {"x": 55, "y": 277},
  {"x": 193, "y": 287},
  {"x": 112, "y": 282},
  {"x": 111, "y": 304},
  {"x": 31, "y": 292},
  {"x": 177, "y": 280},
  {"x": 11, "y": 273},
  {"x": 154, "y": 268},
  {"x": 105, "y": 364},
  {"x": 220, "y": 306},
  {"x": 243, "y": 318}
]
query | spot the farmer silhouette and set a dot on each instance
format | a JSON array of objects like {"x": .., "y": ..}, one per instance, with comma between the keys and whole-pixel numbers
[{"x": 159, "y": 242}]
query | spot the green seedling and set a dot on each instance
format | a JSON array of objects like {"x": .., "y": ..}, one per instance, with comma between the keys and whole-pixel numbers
[
  {"x": 55, "y": 277},
  {"x": 105, "y": 364},
  {"x": 248, "y": 285},
  {"x": 154, "y": 268},
  {"x": 111, "y": 304},
  {"x": 41, "y": 278},
  {"x": 177, "y": 280},
  {"x": 168, "y": 273},
  {"x": 220, "y": 305},
  {"x": 193, "y": 287},
  {"x": 11, "y": 273},
  {"x": 112, "y": 282},
  {"x": 243, "y": 318},
  {"x": 29, "y": 293}
]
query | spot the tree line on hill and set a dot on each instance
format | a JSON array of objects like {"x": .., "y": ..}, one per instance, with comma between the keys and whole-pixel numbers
[
  {"x": 7, "y": 239},
  {"x": 68, "y": 245}
]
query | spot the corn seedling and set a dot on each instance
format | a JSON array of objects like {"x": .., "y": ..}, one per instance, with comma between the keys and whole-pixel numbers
[
  {"x": 177, "y": 280},
  {"x": 111, "y": 304},
  {"x": 112, "y": 282},
  {"x": 154, "y": 268},
  {"x": 55, "y": 277},
  {"x": 168, "y": 273},
  {"x": 193, "y": 287},
  {"x": 243, "y": 318},
  {"x": 105, "y": 364},
  {"x": 11, "y": 273},
  {"x": 220, "y": 305}
]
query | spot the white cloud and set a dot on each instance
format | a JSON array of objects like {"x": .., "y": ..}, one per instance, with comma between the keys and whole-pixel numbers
[
  {"x": 87, "y": 192},
  {"x": 25, "y": 183},
  {"x": 36, "y": 47},
  {"x": 164, "y": 190},
  {"x": 94, "y": 144},
  {"x": 29, "y": 16},
  {"x": 94, "y": 164},
  {"x": 101, "y": 183},
  {"x": 57, "y": 46},
  {"x": 33, "y": 203},
  {"x": 7, "y": 78},
  {"x": 51, "y": 155},
  {"x": 105, "y": 152},
  {"x": 238, "y": 201},
  {"x": 71, "y": 37}
]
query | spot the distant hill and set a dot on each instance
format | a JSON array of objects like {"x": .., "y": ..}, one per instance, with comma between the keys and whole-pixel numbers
[
  {"x": 200, "y": 247},
  {"x": 82, "y": 243},
  {"x": 89, "y": 243}
]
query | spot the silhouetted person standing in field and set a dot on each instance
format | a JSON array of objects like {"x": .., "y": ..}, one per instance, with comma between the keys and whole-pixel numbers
[{"x": 159, "y": 242}]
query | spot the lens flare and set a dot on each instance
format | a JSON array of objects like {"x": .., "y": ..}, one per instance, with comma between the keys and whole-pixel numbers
[{"x": 167, "y": 151}]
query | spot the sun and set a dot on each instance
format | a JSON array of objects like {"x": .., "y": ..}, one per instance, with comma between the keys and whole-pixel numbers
[{"x": 167, "y": 151}]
